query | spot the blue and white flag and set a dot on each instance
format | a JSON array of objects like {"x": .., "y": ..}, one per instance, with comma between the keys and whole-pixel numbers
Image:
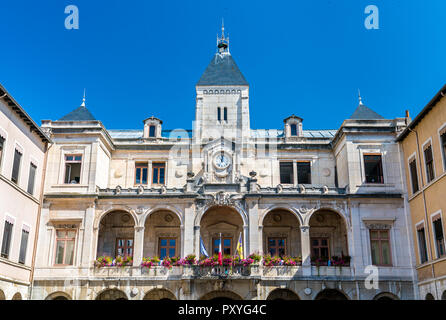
[{"x": 203, "y": 251}]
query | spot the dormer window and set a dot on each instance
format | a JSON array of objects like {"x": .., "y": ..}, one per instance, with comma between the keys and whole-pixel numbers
[
  {"x": 152, "y": 128},
  {"x": 293, "y": 127}
]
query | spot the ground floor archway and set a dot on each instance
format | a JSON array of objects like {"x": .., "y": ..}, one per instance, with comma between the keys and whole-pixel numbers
[
  {"x": 221, "y": 296},
  {"x": 17, "y": 296},
  {"x": 159, "y": 294},
  {"x": 112, "y": 294},
  {"x": 59, "y": 295},
  {"x": 385, "y": 296},
  {"x": 429, "y": 296},
  {"x": 282, "y": 294},
  {"x": 330, "y": 294}
]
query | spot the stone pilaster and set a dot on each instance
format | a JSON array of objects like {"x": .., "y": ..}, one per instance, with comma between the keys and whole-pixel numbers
[{"x": 138, "y": 246}]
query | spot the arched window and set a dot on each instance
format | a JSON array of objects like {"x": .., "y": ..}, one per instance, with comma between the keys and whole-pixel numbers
[
  {"x": 226, "y": 114},
  {"x": 219, "y": 114}
]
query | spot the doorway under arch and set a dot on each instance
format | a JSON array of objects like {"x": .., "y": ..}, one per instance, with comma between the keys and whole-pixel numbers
[
  {"x": 162, "y": 235},
  {"x": 429, "y": 296},
  {"x": 17, "y": 296}
]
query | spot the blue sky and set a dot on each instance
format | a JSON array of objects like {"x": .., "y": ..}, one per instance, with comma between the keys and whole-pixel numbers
[{"x": 142, "y": 58}]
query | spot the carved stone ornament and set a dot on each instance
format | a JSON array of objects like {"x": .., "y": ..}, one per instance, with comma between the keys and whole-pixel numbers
[
  {"x": 324, "y": 189},
  {"x": 302, "y": 188},
  {"x": 118, "y": 190},
  {"x": 168, "y": 218},
  {"x": 140, "y": 189},
  {"x": 140, "y": 210},
  {"x": 163, "y": 190},
  {"x": 279, "y": 188},
  {"x": 378, "y": 226}
]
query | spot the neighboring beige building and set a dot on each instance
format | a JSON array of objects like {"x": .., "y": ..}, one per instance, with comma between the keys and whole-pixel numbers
[
  {"x": 312, "y": 194},
  {"x": 22, "y": 161},
  {"x": 424, "y": 146}
]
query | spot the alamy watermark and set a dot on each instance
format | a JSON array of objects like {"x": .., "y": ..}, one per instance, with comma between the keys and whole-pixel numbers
[{"x": 72, "y": 20}]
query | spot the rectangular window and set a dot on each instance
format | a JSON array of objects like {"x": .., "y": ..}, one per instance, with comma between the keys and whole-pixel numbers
[
  {"x": 293, "y": 129},
  {"x": 219, "y": 114},
  {"x": 158, "y": 173},
  {"x": 152, "y": 131},
  {"x": 303, "y": 172},
  {"x": 277, "y": 246},
  {"x": 320, "y": 248},
  {"x": 124, "y": 247},
  {"x": 286, "y": 172},
  {"x": 225, "y": 114},
  {"x": 167, "y": 247},
  {"x": 6, "y": 242},
  {"x": 65, "y": 240},
  {"x": 226, "y": 246},
  {"x": 2, "y": 144},
  {"x": 73, "y": 165},
  {"x": 439, "y": 238},
  {"x": 380, "y": 247},
  {"x": 429, "y": 160},
  {"x": 373, "y": 168},
  {"x": 23, "y": 246},
  {"x": 422, "y": 244},
  {"x": 443, "y": 148},
  {"x": 141, "y": 170},
  {"x": 31, "y": 178},
  {"x": 414, "y": 175},
  {"x": 16, "y": 166}
]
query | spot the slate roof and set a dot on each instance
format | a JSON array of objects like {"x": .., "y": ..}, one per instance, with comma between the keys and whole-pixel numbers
[
  {"x": 363, "y": 112},
  {"x": 79, "y": 114},
  {"x": 221, "y": 71}
]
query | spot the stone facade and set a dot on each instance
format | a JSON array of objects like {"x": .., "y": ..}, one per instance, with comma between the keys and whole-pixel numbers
[{"x": 222, "y": 179}]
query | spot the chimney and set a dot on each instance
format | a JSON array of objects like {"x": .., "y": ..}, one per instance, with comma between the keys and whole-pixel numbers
[{"x": 408, "y": 119}]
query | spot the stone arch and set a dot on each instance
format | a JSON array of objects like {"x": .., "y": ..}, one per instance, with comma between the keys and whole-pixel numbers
[
  {"x": 111, "y": 294},
  {"x": 284, "y": 208},
  {"x": 206, "y": 209},
  {"x": 17, "y": 296},
  {"x": 281, "y": 233},
  {"x": 114, "y": 208},
  {"x": 115, "y": 226},
  {"x": 429, "y": 296},
  {"x": 385, "y": 296},
  {"x": 329, "y": 234},
  {"x": 159, "y": 294},
  {"x": 282, "y": 294},
  {"x": 58, "y": 295},
  {"x": 150, "y": 211},
  {"x": 331, "y": 294},
  {"x": 224, "y": 220},
  {"x": 225, "y": 294},
  {"x": 443, "y": 296},
  {"x": 162, "y": 234},
  {"x": 338, "y": 211},
  {"x": 2, "y": 295}
]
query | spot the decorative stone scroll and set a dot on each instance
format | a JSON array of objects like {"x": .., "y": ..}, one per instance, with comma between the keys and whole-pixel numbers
[{"x": 378, "y": 226}]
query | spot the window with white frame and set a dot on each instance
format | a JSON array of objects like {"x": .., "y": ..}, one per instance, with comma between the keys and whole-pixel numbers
[
  {"x": 373, "y": 168},
  {"x": 2, "y": 145},
  {"x": 7, "y": 236},
  {"x": 23, "y": 245},
  {"x": 429, "y": 162},
  {"x": 16, "y": 166},
  {"x": 422, "y": 248},
  {"x": 443, "y": 146},
  {"x": 73, "y": 165},
  {"x": 31, "y": 177},
  {"x": 438, "y": 234},
  {"x": 413, "y": 174}
]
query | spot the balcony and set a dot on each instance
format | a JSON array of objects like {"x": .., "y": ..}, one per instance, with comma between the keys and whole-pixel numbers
[{"x": 332, "y": 271}]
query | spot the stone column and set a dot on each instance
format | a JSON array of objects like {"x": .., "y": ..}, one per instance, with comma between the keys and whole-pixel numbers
[
  {"x": 187, "y": 232},
  {"x": 87, "y": 242},
  {"x": 260, "y": 243},
  {"x": 306, "y": 250},
  {"x": 295, "y": 182},
  {"x": 138, "y": 246},
  {"x": 197, "y": 241},
  {"x": 245, "y": 241}
]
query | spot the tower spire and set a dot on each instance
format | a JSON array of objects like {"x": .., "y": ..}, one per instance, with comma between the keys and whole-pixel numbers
[
  {"x": 223, "y": 41},
  {"x": 83, "y": 100},
  {"x": 359, "y": 96}
]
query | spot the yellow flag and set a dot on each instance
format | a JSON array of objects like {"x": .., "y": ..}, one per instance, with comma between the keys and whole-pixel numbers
[{"x": 240, "y": 247}]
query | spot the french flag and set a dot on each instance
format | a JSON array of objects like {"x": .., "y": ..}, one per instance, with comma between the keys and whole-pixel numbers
[{"x": 220, "y": 256}]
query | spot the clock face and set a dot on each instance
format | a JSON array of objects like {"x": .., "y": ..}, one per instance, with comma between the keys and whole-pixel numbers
[{"x": 221, "y": 161}]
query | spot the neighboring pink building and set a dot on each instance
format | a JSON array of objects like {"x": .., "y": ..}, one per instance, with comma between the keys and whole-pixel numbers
[{"x": 23, "y": 147}]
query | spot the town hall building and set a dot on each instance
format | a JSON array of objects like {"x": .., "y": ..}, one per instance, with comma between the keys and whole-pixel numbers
[{"x": 333, "y": 200}]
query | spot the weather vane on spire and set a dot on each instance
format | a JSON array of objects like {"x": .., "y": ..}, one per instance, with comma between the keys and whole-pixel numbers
[{"x": 223, "y": 41}]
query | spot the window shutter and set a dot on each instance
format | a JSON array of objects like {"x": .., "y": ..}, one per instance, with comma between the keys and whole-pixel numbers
[
  {"x": 32, "y": 175},
  {"x": 16, "y": 166},
  {"x": 23, "y": 246}
]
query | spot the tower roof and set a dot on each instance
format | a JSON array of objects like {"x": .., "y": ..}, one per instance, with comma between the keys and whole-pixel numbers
[
  {"x": 79, "y": 114},
  {"x": 221, "y": 71},
  {"x": 363, "y": 112}
]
